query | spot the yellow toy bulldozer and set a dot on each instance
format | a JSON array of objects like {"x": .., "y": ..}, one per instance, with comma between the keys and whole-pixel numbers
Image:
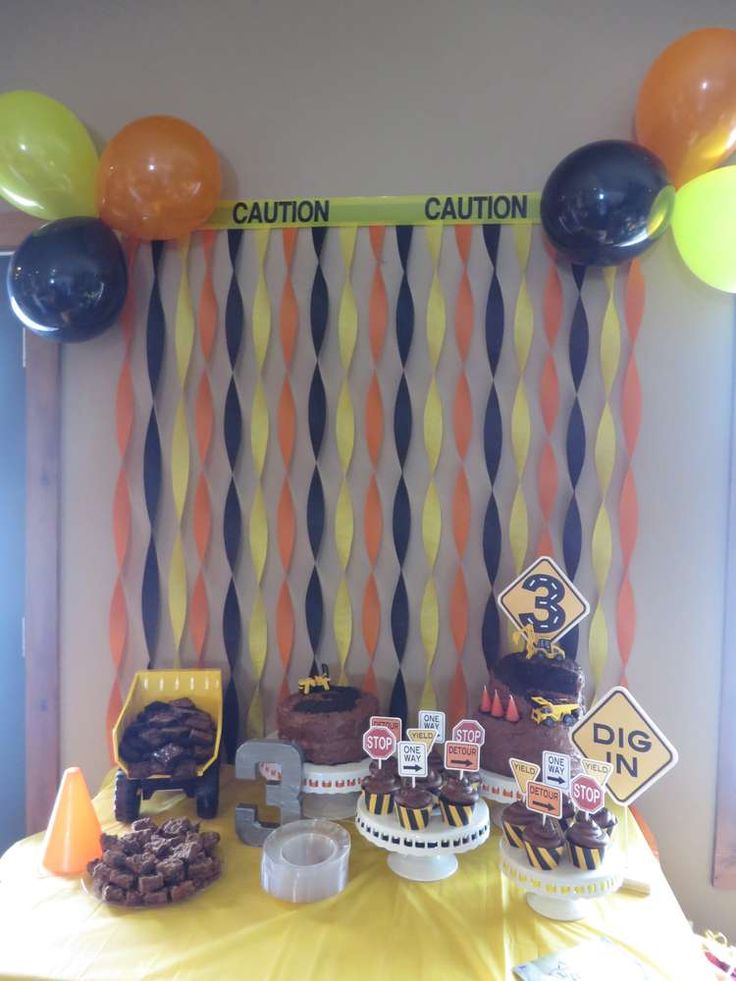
[
  {"x": 547, "y": 713},
  {"x": 537, "y": 646}
]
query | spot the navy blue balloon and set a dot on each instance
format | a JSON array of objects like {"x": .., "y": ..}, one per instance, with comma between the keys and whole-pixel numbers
[
  {"x": 68, "y": 280},
  {"x": 606, "y": 203}
]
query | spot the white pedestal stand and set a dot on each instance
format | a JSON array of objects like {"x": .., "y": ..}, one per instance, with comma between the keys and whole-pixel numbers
[
  {"x": 428, "y": 855},
  {"x": 561, "y": 893},
  {"x": 329, "y": 791}
]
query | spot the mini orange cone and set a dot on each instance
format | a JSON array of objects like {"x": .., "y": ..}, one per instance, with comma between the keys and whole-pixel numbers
[{"x": 73, "y": 835}]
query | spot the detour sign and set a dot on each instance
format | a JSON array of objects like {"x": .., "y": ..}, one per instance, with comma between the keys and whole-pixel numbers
[{"x": 618, "y": 731}]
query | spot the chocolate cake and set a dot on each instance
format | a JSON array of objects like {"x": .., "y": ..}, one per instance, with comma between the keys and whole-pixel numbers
[
  {"x": 519, "y": 712},
  {"x": 327, "y": 725}
]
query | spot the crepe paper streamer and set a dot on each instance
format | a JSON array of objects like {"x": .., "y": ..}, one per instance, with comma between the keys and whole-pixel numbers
[
  {"x": 462, "y": 422},
  {"x": 605, "y": 459},
  {"x": 572, "y": 532},
  {"x": 401, "y": 518},
  {"x": 180, "y": 457},
  {"x": 373, "y": 507},
  {"x": 429, "y": 611},
  {"x": 286, "y": 424},
  {"x": 317, "y": 413},
  {"x": 549, "y": 403},
  {"x": 258, "y": 523},
  {"x": 152, "y": 462},
  {"x": 121, "y": 512},
  {"x": 628, "y": 507},
  {"x": 521, "y": 427},
  {"x": 232, "y": 519},
  {"x": 347, "y": 334},
  {"x": 506, "y": 208},
  {"x": 204, "y": 422},
  {"x": 492, "y": 447}
]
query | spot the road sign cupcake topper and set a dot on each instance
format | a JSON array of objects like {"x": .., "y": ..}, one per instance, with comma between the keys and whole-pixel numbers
[
  {"x": 389, "y": 722},
  {"x": 469, "y": 731},
  {"x": 523, "y": 772},
  {"x": 542, "y": 601},
  {"x": 425, "y": 736},
  {"x": 431, "y": 719},
  {"x": 412, "y": 759},
  {"x": 379, "y": 743},
  {"x": 618, "y": 731},
  {"x": 462, "y": 756},
  {"x": 543, "y": 799}
]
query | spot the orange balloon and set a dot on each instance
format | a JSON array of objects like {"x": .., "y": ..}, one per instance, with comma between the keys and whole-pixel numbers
[
  {"x": 159, "y": 178},
  {"x": 686, "y": 112}
]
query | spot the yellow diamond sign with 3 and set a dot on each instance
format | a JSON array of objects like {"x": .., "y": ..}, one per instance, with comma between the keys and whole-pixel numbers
[{"x": 544, "y": 598}]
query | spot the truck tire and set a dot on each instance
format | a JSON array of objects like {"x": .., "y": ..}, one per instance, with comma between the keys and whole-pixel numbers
[{"x": 127, "y": 799}]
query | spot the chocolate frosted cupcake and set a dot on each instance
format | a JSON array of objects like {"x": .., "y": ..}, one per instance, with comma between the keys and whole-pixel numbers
[
  {"x": 432, "y": 782},
  {"x": 568, "y": 813},
  {"x": 604, "y": 819},
  {"x": 378, "y": 791},
  {"x": 515, "y": 818},
  {"x": 413, "y": 807},
  {"x": 544, "y": 844},
  {"x": 587, "y": 843},
  {"x": 457, "y": 801}
]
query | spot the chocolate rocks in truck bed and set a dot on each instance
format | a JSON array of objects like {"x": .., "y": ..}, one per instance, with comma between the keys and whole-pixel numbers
[{"x": 168, "y": 739}]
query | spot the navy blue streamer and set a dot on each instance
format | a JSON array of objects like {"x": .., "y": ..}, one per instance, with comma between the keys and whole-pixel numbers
[
  {"x": 572, "y": 533},
  {"x": 232, "y": 523},
  {"x": 492, "y": 444},
  {"x": 152, "y": 463},
  {"x": 317, "y": 417},
  {"x": 401, "y": 521}
]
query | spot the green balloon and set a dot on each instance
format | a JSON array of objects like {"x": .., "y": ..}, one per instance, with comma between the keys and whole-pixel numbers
[
  {"x": 704, "y": 226},
  {"x": 48, "y": 162}
]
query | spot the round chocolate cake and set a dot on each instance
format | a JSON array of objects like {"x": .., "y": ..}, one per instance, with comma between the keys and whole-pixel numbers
[{"x": 327, "y": 725}]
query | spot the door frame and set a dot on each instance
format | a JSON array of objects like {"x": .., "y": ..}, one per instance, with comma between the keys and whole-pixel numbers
[{"x": 41, "y": 618}]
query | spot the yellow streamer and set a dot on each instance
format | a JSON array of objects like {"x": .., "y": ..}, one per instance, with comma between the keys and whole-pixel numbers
[
  {"x": 347, "y": 335},
  {"x": 429, "y": 612},
  {"x": 605, "y": 459},
  {"x": 180, "y": 460},
  {"x": 520, "y": 415},
  {"x": 258, "y": 523}
]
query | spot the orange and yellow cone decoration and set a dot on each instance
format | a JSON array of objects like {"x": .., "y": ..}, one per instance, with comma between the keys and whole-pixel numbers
[{"x": 73, "y": 834}]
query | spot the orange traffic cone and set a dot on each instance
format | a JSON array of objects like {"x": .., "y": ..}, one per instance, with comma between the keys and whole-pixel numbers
[{"x": 72, "y": 837}]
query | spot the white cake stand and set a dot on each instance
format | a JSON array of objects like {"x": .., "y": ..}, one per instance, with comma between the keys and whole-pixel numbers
[
  {"x": 428, "y": 855},
  {"x": 500, "y": 790},
  {"x": 561, "y": 893},
  {"x": 329, "y": 791}
]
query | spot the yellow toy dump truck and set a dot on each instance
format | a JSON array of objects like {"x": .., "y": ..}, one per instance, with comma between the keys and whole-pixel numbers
[
  {"x": 538, "y": 647},
  {"x": 548, "y": 712},
  {"x": 154, "y": 690}
]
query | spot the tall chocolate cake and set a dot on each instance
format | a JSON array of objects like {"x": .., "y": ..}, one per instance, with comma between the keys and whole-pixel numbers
[
  {"x": 327, "y": 724},
  {"x": 529, "y": 705}
]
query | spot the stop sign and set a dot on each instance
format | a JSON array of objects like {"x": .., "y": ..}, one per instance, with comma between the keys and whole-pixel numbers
[
  {"x": 379, "y": 742},
  {"x": 586, "y": 794},
  {"x": 469, "y": 731}
]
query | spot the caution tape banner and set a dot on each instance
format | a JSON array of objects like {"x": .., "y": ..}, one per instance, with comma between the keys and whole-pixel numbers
[{"x": 510, "y": 208}]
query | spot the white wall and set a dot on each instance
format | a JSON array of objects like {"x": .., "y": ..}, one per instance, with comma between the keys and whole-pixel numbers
[{"x": 394, "y": 97}]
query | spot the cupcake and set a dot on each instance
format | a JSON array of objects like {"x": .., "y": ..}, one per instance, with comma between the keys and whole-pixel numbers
[
  {"x": 514, "y": 819},
  {"x": 391, "y": 765},
  {"x": 457, "y": 801},
  {"x": 432, "y": 782},
  {"x": 587, "y": 843},
  {"x": 544, "y": 844},
  {"x": 568, "y": 813},
  {"x": 413, "y": 807},
  {"x": 378, "y": 791},
  {"x": 604, "y": 819}
]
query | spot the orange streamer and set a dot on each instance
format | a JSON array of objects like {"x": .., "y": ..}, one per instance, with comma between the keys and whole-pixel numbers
[{"x": 121, "y": 512}]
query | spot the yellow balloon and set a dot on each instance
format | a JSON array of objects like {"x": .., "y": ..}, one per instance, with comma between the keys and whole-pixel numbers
[
  {"x": 704, "y": 226},
  {"x": 48, "y": 162}
]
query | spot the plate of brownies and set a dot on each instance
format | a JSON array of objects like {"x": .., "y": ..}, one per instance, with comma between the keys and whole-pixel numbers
[{"x": 154, "y": 865}]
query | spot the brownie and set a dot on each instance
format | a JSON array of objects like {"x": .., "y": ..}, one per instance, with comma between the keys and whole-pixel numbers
[
  {"x": 160, "y": 847},
  {"x": 158, "y": 898},
  {"x": 122, "y": 879},
  {"x": 199, "y": 737},
  {"x": 199, "y": 720},
  {"x": 133, "y": 898},
  {"x": 182, "y": 891},
  {"x": 141, "y": 864},
  {"x": 139, "y": 771},
  {"x": 183, "y": 703},
  {"x": 176, "y": 826},
  {"x": 174, "y": 733},
  {"x": 203, "y": 868},
  {"x": 209, "y": 841},
  {"x": 110, "y": 842},
  {"x": 114, "y": 859},
  {"x": 168, "y": 755},
  {"x": 189, "y": 851},
  {"x": 150, "y": 883},
  {"x": 153, "y": 738},
  {"x": 134, "y": 841},
  {"x": 111, "y": 894},
  {"x": 168, "y": 739},
  {"x": 172, "y": 869},
  {"x": 144, "y": 824},
  {"x": 201, "y": 753}
]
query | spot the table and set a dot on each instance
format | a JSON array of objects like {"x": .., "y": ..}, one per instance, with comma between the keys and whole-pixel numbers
[{"x": 474, "y": 925}]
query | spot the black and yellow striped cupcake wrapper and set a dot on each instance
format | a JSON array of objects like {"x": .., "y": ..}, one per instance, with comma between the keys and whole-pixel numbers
[
  {"x": 513, "y": 834},
  {"x": 378, "y": 803},
  {"x": 456, "y": 815},
  {"x": 544, "y": 859},
  {"x": 413, "y": 818},
  {"x": 586, "y": 858}
]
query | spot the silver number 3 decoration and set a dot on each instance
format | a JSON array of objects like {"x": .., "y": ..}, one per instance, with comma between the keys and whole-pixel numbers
[{"x": 285, "y": 794}]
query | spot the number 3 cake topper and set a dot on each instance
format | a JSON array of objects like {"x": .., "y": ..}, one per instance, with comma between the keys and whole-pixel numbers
[{"x": 543, "y": 603}]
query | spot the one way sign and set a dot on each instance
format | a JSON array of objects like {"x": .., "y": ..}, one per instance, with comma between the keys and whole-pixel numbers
[
  {"x": 412, "y": 759},
  {"x": 556, "y": 770}
]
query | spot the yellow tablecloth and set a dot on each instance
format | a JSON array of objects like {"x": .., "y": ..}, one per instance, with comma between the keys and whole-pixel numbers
[{"x": 472, "y": 925}]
